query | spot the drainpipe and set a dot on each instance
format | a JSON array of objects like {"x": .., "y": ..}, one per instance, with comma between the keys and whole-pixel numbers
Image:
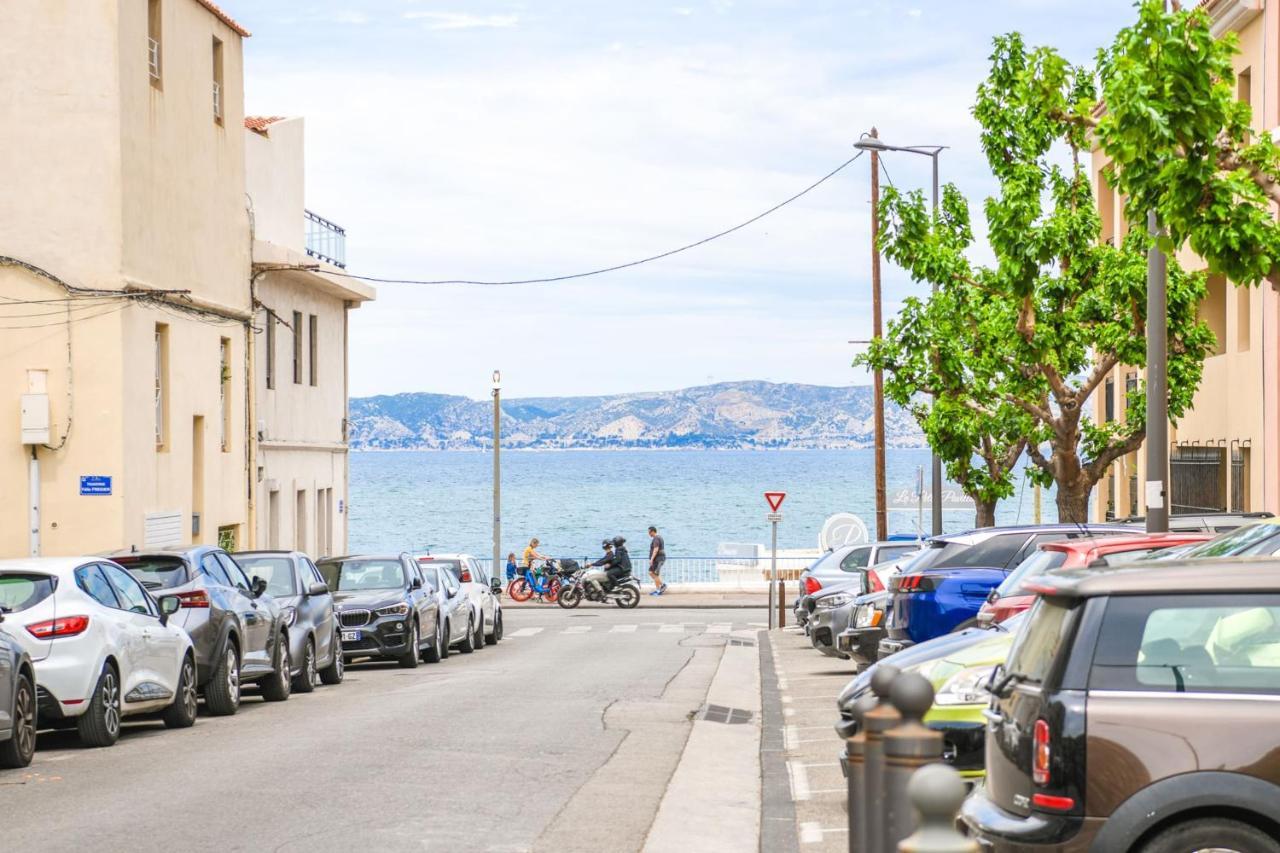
[
  {"x": 250, "y": 433},
  {"x": 346, "y": 422},
  {"x": 34, "y": 492}
]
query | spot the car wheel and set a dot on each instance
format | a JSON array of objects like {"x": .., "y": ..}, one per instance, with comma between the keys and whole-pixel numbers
[
  {"x": 306, "y": 680},
  {"x": 1219, "y": 835},
  {"x": 432, "y": 654},
  {"x": 444, "y": 639},
  {"x": 336, "y": 671},
  {"x": 99, "y": 725},
  {"x": 409, "y": 659},
  {"x": 182, "y": 713},
  {"x": 480, "y": 635},
  {"x": 222, "y": 694},
  {"x": 18, "y": 749},
  {"x": 468, "y": 645},
  {"x": 278, "y": 687},
  {"x": 497, "y": 629}
]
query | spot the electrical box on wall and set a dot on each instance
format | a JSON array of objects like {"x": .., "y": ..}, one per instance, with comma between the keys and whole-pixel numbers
[{"x": 35, "y": 419}]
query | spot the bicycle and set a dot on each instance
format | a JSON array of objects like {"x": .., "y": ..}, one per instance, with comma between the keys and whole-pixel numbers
[{"x": 545, "y": 584}]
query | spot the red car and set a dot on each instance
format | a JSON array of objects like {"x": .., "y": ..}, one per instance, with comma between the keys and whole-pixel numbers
[{"x": 1011, "y": 597}]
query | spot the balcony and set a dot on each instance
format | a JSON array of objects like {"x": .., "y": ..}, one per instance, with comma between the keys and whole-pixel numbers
[{"x": 326, "y": 241}]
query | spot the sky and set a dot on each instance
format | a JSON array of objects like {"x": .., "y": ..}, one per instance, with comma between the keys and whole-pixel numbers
[{"x": 495, "y": 140}]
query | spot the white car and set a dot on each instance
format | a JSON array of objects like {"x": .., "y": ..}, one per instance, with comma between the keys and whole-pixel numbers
[
  {"x": 103, "y": 648},
  {"x": 481, "y": 590}
]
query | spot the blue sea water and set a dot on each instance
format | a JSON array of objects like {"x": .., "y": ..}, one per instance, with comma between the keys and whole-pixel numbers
[{"x": 570, "y": 500}]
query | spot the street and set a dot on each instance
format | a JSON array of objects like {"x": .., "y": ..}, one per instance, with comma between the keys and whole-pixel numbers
[{"x": 563, "y": 737}]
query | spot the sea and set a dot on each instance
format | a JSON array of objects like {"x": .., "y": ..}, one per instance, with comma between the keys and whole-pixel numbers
[{"x": 571, "y": 499}]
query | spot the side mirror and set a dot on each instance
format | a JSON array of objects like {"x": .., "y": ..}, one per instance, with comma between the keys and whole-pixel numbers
[
  {"x": 495, "y": 586},
  {"x": 169, "y": 605},
  {"x": 318, "y": 588},
  {"x": 416, "y": 583},
  {"x": 257, "y": 586}
]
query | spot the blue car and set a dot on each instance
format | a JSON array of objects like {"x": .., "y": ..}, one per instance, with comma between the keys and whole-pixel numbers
[{"x": 943, "y": 588}]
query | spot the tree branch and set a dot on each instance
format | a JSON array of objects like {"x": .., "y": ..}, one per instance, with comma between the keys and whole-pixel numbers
[
  {"x": 1040, "y": 413},
  {"x": 1099, "y": 372},
  {"x": 1095, "y": 469},
  {"x": 1061, "y": 392},
  {"x": 1033, "y": 450}
]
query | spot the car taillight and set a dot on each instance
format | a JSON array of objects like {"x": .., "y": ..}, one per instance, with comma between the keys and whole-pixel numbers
[
  {"x": 913, "y": 583},
  {"x": 874, "y": 582},
  {"x": 466, "y": 576},
  {"x": 196, "y": 598},
  {"x": 1048, "y": 801},
  {"x": 811, "y": 585},
  {"x": 1040, "y": 754},
  {"x": 64, "y": 626}
]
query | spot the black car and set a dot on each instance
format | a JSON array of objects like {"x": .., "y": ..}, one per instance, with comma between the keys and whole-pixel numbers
[
  {"x": 384, "y": 608},
  {"x": 17, "y": 703}
]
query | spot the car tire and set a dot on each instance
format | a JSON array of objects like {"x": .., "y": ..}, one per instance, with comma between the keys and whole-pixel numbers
[
  {"x": 336, "y": 671},
  {"x": 480, "y": 635},
  {"x": 18, "y": 750},
  {"x": 279, "y": 685},
  {"x": 1211, "y": 834},
  {"x": 444, "y": 640},
  {"x": 222, "y": 693},
  {"x": 409, "y": 659},
  {"x": 181, "y": 713},
  {"x": 310, "y": 674},
  {"x": 497, "y": 629},
  {"x": 432, "y": 654},
  {"x": 99, "y": 725},
  {"x": 468, "y": 645}
]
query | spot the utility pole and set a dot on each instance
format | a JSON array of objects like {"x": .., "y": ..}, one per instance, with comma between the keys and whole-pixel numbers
[
  {"x": 497, "y": 477},
  {"x": 1157, "y": 505},
  {"x": 936, "y": 460},
  {"x": 882, "y": 516}
]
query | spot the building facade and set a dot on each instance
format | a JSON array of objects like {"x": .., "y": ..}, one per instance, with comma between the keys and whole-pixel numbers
[{"x": 1224, "y": 453}]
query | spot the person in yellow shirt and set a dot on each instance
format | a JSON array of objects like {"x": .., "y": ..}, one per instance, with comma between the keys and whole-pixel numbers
[{"x": 531, "y": 554}]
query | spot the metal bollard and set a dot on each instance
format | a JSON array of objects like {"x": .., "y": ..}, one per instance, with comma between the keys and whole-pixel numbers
[
  {"x": 877, "y": 721},
  {"x": 855, "y": 774},
  {"x": 907, "y": 747},
  {"x": 936, "y": 792},
  {"x": 782, "y": 604}
]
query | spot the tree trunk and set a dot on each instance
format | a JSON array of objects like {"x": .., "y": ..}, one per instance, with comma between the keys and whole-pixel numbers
[
  {"x": 1073, "y": 503},
  {"x": 986, "y": 513}
]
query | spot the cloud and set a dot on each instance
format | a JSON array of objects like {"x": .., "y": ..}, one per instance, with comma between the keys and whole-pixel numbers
[
  {"x": 349, "y": 16},
  {"x": 462, "y": 21}
]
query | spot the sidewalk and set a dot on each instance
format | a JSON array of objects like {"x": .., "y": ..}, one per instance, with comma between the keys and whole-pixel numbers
[{"x": 674, "y": 598}]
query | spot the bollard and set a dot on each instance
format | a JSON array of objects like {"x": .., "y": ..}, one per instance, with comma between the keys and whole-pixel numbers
[
  {"x": 877, "y": 721},
  {"x": 936, "y": 792},
  {"x": 782, "y": 604},
  {"x": 855, "y": 774},
  {"x": 907, "y": 747}
]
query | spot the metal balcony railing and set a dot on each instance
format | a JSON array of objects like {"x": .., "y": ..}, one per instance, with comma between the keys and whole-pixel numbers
[
  {"x": 153, "y": 58},
  {"x": 217, "y": 100},
  {"x": 326, "y": 241}
]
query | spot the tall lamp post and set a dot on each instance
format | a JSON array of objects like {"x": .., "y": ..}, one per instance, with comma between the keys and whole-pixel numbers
[
  {"x": 871, "y": 142},
  {"x": 497, "y": 477}
]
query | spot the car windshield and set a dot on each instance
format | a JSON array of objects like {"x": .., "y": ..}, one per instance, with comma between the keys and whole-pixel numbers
[
  {"x": 454, "y": 567},
  {"x": 856, "y": 560},
  {"x": 1037, "y": 646},
  {"x": 823, "y": 562},
  {"x": 276, "y": 571},
  {"x": 156, "y": 572},
  {"x": 1034, "y": 566},
  {"x": 19, "y": 590},
  {"x": 354, "y": 575},
  {"x": 934, "y": 554},
  {"x": 1262, "y": 538}
]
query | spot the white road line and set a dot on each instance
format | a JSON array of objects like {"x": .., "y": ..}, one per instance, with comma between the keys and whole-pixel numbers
[
  {"x": 757, "y": 624},
  {"x": 719, "y": 628},
  {"x": 677, "y": 628},
  {"x": 799, "y": 780},
  {"x": 525, "y": 632},
  {"x": 810, "y": 832},
  {"x": 790, "y": 737},
  {"x": 788, "y": 712},
  {"x": 576, "y": 629},
  {"x": 623, "y": 629}
]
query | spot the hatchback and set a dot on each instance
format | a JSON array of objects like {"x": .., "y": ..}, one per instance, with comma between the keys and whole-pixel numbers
[
  {"x": 480, "y": 590},
  {"x": 1136, "y": 712},
  {"x": 17, "y": 699},
  {"x": 843, "y": 564}
]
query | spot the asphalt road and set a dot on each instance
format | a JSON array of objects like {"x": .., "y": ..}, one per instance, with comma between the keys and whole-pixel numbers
[{"x": 560, "y": 738}]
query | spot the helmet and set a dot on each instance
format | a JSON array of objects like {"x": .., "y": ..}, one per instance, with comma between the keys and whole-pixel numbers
[
  {"x": 618, "y": 541},
  {"x": 606, "y": 544}
]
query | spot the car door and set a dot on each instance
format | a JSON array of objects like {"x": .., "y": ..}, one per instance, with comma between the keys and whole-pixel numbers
[
  {"x": 456, "y": 605},
  {"x": 125, "y": 630},
  {"x": 256, "y": 616},
  {"x": 160, "y": 666},
  {"x": 8, "y": 653},
  {"x": 428, "y": 599},
  {"x": 487, "y": 600},
  {"x": 319, "y": 608}
]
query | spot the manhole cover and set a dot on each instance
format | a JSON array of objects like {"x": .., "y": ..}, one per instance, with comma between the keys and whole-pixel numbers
[
  {"x": 722, "y": 714},
  {"x": 737, "y": 641}
]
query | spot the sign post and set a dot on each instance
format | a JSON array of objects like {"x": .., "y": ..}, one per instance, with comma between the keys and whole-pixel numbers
[{"x": 774, "y": 500}]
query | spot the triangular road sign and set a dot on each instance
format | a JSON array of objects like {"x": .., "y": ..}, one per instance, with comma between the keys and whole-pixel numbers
[{"x": 775, "y": 499}]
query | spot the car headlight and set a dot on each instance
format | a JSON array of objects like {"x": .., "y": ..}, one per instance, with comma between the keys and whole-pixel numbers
[
  {"x": 290, "y": 615},
  {"x": 400, "y": 609},
  {"x": 833, "y": 601},
  {"x": 966, "y": 687},
  {"x": 868, "y": 616}
]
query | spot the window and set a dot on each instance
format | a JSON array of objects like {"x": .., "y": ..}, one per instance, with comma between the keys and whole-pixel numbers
[
  {"x": 451, "y": 567},
  {"x": 1240, "y": 485},
  {"x": 20, "y": 591},
  {"x": 315, "y": 576},
  {"x": 889, "y": 554},
  {"x": 1109, "y": 410},
  {"x": 224, "y": 394},
  {"x": 94, "y": 583},
  {"x": 156, "y": 572},
  {"x": 238, "y": 578},
  {"x": 300, "y": 522},
  {"x": 1207, "y": 644},
  {"x": 217, "y": 82},
  {"x": 297, "y": 347},
  {"x": 131, "y": 594},
  {"x": 153, "y": 42},
  {"x": 855, "y": 560},
  {"x": 214, "y": 571},
  {"x": 431, "y": 577},
  {"x": 1213, "y": 310},
  {"x": 996, "y": 552},
  {"x": 1037, "y": 647},
  {"x": 313, "y": 327},
  {"x": 276, "y": 571},
  {"x": 270, "y": 345},
  {"x": 1032, "y": 567},
  {"x": 352, "y": 575},
  {"x": 162, "y": 385},
  {"x": 1106, "y": 207}
]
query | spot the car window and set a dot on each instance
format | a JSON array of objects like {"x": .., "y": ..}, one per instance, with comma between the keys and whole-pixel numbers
[
  {"x": 156, "y": 572},
  {"x": 313, "y": 573},
  {"x": 1221, "y": 643},
  {"x": 1121, "y": 558},
  {"x": 1038, "y": 644},
  {"x": 479, "y": 573},
  {"x": 994, "y": 552},
  {"x": 1033, "y": 566},
  {"x": 238, "y": 578},
  {"x": 1259, "y": 538},
  {"x": 937, "y": 553},
  {"x": 276, "y": 571},
  {"x": 131, "y": 594},
  {"x": 451, "y": 567},
  {"x": 95, "y": 585},
  {"x": 20, "y": 590},
  {"x": 212, "y": 569},
  {"x": 450, "y": 583},
  {"x": 856, "y": 560},
  {"x": 889, "y": 553},
  {"x": 354, "y": 575},
  {"x": 431, "y": 577}
]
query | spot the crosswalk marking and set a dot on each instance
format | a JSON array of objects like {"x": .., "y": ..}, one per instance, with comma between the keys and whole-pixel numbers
[
  {"x": 623, "y": 629},
  {"x": 719, "y": 628},
  {"x": 525, "y": 632},
  {"x": 576, "y": 629},
  {"x": 675, "y": 628}
]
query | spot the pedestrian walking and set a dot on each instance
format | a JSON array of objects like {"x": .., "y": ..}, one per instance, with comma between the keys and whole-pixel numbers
[
  {"x": 511, "y": 566},
  {"x": 657, "y": 556}
]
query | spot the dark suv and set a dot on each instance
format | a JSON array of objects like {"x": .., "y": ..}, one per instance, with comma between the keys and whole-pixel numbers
[
  {"x": 1137, "y": 712},
  {"x": 239, "y": 632},
  {"x": 384, "y": 609}
]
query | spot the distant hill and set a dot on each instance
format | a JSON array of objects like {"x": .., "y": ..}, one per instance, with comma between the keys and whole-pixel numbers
[{"x": 726, "y": 415}]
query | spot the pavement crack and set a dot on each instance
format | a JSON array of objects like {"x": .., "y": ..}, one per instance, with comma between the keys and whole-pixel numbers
[{"x": 604, "y": 713}]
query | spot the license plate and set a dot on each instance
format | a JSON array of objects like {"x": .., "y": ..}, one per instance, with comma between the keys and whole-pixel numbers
[{"x": 350, "y": 636}]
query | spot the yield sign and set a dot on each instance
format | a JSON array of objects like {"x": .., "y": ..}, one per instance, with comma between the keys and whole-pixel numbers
[{"x": 775, "y": 499}]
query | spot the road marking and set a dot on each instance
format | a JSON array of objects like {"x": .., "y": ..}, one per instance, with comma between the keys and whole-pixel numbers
[
  {"x": 576, "y": 629},
  {"x": 719, "y": 628},
  {"x": 810, "y": 832},
  {"x": 790, "y": 737},
  {"x": 788, "y": 712},
  {"x": 677, "y": 628},
  {"x": 799, "y": 777},
  {"x": 525, "y": 632},
  {"x": 623, "y": 629},
  {"x": 757, "y": 624}
]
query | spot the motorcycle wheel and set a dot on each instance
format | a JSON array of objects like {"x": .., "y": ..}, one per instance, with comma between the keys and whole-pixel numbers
[
  {"x": 520, "y": 590},
  {"x": 569, "y": 597},
  {"x": 628, "y": 597}
]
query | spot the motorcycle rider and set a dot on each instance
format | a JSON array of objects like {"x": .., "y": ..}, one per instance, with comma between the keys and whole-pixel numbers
[
  {"x": 616, "y": 565},
  {"x": 597, "y": 573}
]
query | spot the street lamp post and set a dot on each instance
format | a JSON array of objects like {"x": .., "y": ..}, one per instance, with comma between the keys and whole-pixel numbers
[
  {"x": 497, "y": 477},
  {"x": 870, "y": 142}
]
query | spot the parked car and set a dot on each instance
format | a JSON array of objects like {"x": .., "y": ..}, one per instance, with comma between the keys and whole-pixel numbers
[
  {"x": 1117, "y": 722},
  {"x": 238, "y": 630},
  {"x": 459, "y": 625},
  {"x": 385, "y": 610},
  {"x": 315, "y": 642},
  {"x": 102, "y": 647},
  {"x": 1199, "y": 522},
  {"x": 835, "y": 567},
  {"x": 1256, "y": 539},
  {"x": 17, "y": 695},
  {"x": 832, "y": 609},
  {"x": 1011, "y": 596},
  {"x": 944, "y": 587},
  {"x": 481, "y": 590}
]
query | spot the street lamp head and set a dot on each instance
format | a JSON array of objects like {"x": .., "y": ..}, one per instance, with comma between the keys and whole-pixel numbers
[
  {"x": 870, "y": 143},
  {"x": 497, "y": 379}
]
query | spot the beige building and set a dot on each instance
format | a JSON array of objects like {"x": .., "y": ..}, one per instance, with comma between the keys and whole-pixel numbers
[
  {"x": 1223, "y": 453},
  {"x": 300, "y": 351}
]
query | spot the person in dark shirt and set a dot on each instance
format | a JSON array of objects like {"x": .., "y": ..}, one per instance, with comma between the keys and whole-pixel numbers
[{"x": 657, "y": 556}]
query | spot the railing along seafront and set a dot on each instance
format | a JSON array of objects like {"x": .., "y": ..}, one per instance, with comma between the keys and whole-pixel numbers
[
  {"x": 326, "y": 241},
  {"x": 729, "y": 573}
]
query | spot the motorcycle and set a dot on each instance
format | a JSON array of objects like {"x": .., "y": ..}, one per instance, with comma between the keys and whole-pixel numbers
[{"x": 573, "y": 590}]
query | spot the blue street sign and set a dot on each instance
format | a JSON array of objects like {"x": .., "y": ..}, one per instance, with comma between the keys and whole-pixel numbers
[{"x": 95, "y": 485}]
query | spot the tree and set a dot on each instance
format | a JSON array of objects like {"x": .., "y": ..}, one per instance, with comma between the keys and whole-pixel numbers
[{"x": 1059, "y": 309}]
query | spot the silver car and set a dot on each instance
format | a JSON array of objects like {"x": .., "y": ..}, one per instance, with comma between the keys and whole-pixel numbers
[
  {"x": 315, "y": 640},
  {"x": 481, "y": 591},
  {"x": 843, "y": 564}
]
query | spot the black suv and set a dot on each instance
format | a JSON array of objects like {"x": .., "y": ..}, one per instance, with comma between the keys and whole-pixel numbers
[{"x": 384, "y": 609}]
